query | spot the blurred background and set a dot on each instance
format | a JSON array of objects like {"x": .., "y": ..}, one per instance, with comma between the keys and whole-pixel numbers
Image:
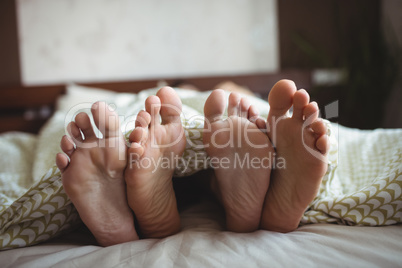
[{"x": 351, "y": 48}]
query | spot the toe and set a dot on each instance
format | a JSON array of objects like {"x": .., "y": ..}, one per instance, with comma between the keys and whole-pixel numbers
[
  {"x": 67, "y": 145},
  {"x": 215, "y": 106},
  {"x": 322, "y": 144},
  {"x": 234, "y": 104},
  {"x": 300, "y": 100},
  {"x": 253, "y": 113},
  {"x": 281, "y": 99},
  {"x": 261, "y": 124},
  {"x": 138, "y": 135},
  {"x": 135, "y": 152},
  {"x": 84, "y": 123},
  {"x": 153, "y": 107},
  {"x": 254, "y": 117},
  {"x": 170, "y": 105},
  {"x": 143, "y": 119},
  {"x": 244, "y": 107},
  {"x": 74, "y": 132},
  {"x": 61, "y": 162},
  {"x": 310, "y": 112},
  {"x": 319, "y": 127},
  {"x": 106, "y": 120}
]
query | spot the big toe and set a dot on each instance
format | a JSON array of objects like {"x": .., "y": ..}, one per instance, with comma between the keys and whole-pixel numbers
[
  {"x": 215, "y": 105},
  {"x": 281, "y": 98},
  {"x": 106, "y": 120},
  {"x": 170, "y": 105}
]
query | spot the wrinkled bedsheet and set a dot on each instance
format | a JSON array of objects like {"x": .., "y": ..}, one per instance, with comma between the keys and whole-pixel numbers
[{"x": 203, "y": 243}]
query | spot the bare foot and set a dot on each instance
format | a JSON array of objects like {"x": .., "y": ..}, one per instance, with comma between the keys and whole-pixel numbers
[
  {"x": 93, "y": 178},
  {"x": 241, "y": 157},
  {"x": 155, "y": 148},
  {"x": 301, "y": 142}
]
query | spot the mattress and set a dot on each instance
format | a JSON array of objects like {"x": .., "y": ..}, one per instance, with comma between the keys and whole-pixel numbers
[{"x": 203, "y": 243}]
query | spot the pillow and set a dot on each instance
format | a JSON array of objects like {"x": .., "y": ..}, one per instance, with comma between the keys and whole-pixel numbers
[{"x": 76, "y": 94}]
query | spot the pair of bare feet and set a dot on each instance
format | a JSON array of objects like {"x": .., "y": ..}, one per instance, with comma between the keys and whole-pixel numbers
[{"x": 109, "y": 182}]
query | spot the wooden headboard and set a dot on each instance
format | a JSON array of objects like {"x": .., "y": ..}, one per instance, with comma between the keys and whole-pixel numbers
[{"x": 26, "y": 108}]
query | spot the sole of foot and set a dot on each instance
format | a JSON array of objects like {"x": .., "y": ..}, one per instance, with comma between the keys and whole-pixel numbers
[
  {"x": 241, "y": 156},
  {"x": 93, "y": 175},
  {"x": 157, "y": 142},
  {"x": 301, "y": 144}
]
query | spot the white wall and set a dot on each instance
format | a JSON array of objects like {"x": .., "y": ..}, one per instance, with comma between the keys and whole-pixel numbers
[{"x": 100, "y": 40}]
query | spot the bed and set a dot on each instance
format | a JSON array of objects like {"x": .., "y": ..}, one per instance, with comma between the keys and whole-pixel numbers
[{"x": 343, "y": 240}]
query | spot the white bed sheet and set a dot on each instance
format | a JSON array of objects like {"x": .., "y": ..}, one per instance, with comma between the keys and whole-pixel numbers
[{"x": 202, "y": 243}]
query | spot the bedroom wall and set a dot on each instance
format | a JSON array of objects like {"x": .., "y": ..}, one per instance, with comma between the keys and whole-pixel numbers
[
  {"x": 93, "y": 40},
  {"x": 9, "y": 54},
  {"x": 391, "y": 15}
]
